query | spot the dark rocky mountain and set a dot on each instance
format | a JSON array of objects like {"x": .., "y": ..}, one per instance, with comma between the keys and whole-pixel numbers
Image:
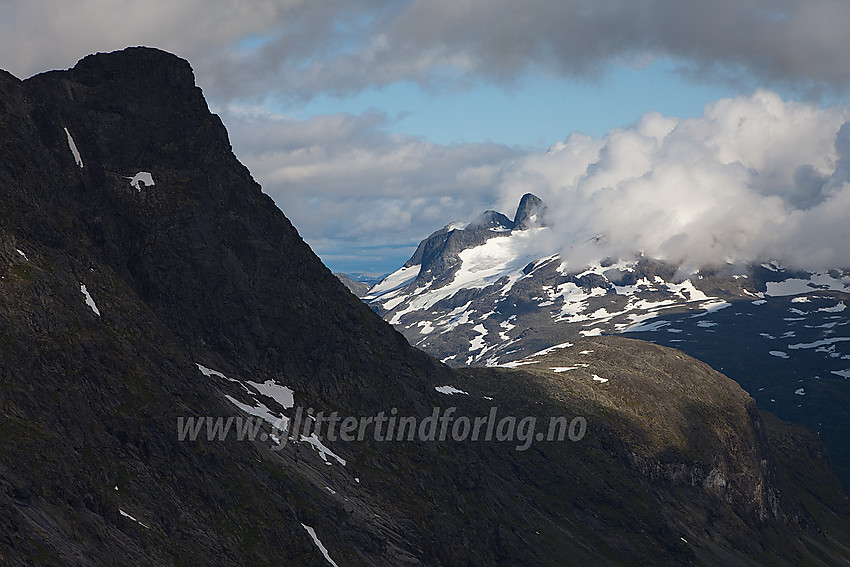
[
  {"x": 783, "y": 335},
  {"x": 145, "y": 279},
  {"x": 530, "y": 213}
]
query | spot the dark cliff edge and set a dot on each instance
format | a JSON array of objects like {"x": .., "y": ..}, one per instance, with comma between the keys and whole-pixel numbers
[{"x": 134, "y": 247}]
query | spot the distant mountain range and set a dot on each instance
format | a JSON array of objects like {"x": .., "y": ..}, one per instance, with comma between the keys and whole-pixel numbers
[
  {"x": 473, "y": 294},
  {"x": 358, "y": 288}
]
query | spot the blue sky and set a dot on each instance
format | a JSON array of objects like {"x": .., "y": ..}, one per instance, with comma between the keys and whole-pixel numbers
[
  {"x": 536, "y": 112},
  {"x": 372, "y": 123}
]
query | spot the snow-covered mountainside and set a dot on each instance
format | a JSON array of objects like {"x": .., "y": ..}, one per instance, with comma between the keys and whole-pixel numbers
[
  {"x": 480, "y": 295},
  {"x": 476, "y": 295}
]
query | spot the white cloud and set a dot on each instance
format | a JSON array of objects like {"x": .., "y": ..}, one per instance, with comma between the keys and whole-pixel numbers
[{"x": 726, "y": 186}]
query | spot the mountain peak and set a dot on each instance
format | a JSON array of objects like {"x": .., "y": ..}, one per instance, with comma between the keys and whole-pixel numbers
[
  {"x": 530, "y": 212},
  {"x": 438, "y": 254},
  {"x": 130, "y": 111},
  {"x": 147, "y": 65}
]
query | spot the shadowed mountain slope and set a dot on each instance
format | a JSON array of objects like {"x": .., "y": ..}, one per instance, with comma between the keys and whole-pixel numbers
[{"x": 145, "y": 279}]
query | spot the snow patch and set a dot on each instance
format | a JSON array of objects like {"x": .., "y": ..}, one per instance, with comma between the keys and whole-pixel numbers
[
  {"x": 210, "y": 372},
  {"x": 515, "y": 363},
  {"x": 650, "y": 326},
  {"x": 427, "y": 327},
  {"x": 477, "y": 343},
  {"x": 595, "y": 332},
  {"x": 817, "y": 281},
  {"x": 687, "y": 291},
  {"x": 89, "y": 300},
  {"x": 778, "y": 353},
  {"x": 450, "y": 390},
  {"x": 280, "y": 422},
  {"x": 74, "y": 151},
  {"x": 126, "y": 515},
  {"x": 393, "y": 303},
  {"x": 322, "y": 449},
  {"x": 281, "y": 394},
  {"x": 143, "y": 177},
  {"x": 318, "y": 543},
  {"x": 546, "y": 351},
  {"x": 819, "y": 343},
  {"x": 834, "y": 309},
  {"x": 712, "y": 306}
]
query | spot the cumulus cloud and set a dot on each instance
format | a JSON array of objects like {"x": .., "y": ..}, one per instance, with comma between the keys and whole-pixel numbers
[{"x": 754, "y": 178}]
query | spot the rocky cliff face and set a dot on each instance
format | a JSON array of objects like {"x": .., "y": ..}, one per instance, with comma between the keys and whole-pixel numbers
[{"x": 146, "y": 279}]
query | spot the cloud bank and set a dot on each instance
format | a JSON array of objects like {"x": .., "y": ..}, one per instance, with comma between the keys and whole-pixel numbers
[
  {"x": 755, "y": 178},
  {"x": 302, "y": 48}
]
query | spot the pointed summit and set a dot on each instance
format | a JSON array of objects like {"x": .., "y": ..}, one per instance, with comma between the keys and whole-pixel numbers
[{"x": 530, "y": 212}]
